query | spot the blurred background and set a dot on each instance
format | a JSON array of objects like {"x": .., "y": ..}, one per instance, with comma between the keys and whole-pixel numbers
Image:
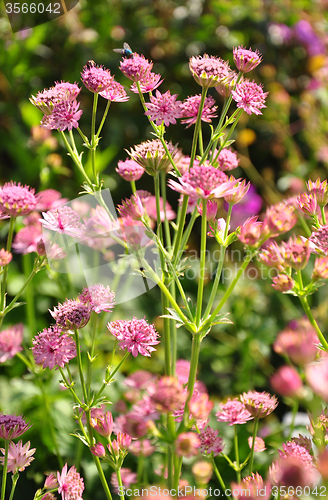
[{"x": 278, "y": 152}]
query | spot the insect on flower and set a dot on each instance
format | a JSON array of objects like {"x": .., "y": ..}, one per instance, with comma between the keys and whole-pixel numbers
[{"x": 126, "y": 51}]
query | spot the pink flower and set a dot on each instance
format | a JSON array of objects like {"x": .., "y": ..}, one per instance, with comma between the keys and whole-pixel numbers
[
  {"x": 225, "y": 87},
  {"x": 272, "y": 256},
  {"x": 249, "y": 96},
  {"x": 19, "y": 456},
  {"x": 100, "y": 298},
  {"x": 11, "y": 342},
  {"x": 149, "y": 203},
  {"x": 317, "y": 378},
  {"x": 128, "y": 477},
  {"x": 163, "y": 108},
  {"x": 280, "y": 218},
  {"x": 98, "y": 450},
  {"x": 167, "y": 394},
  {"x": 12, "y": 427},
  {"x": 190, "y": 107},
  {"x": 48, "y": 199},
  {"x": 135, "y": 335},
  {"x": 246, "y": 60},
  {"x": 283, "y": 283},
  {"x": 141, "y": 448},
  {"x": 135, "y": 68},
  {"x": 259, "y": 404},
  {"x": 209, "y": 71},
  {"x": 129, "y": 170},
  {"x": 227, "y": 159},
  {"x": 123, "y": 440},
  {"x": 234, "y": 412},
  {"x": 16, "y": 199},
  {"x": 103, "y": 424},
  {"x": 152, "y": 156},
  {"x": 148, "y": 83},
  {"x": 63, "y": 220},
  {"x": 251, "y": 487},
  {"x": 5, "y": 257},
  {"x": 48, "y": 98},
  {"x": 250, "y": 231},
  {"x": 187, "y": 444},
  {"x": 320, "y": 271},
  {"x": 27, "y": 239},
  {"x": 51, "y": 482},
  {"x": 96, "y": 78},
  {"x": 292, "y": 449},
  {"x": 203, "y": 182},
  {"x": 296, "y": 253},
  {"x": 65, "y": 115},
  {"x": 53, "y": 348},
  {"x": 320, "y": 239},
  {"x": 291, "y": 471},
  {"x": 132, "y": 208},
  {"x": 115, "y": 92},
  {"x": 71, "y": 484},
  {"x": 298, "y": 344},
  {"x": 307, "y": 203},
  {"x": 286, "y": 381},
  {"x": 319, "y": 190},
  {"x": 259, "y": 444},
  {"x": 71, "y": 314},
  {"x": 200, "y": 406},
  {"x": 210, "y": 442},
  {"x": 139, "y": 380},
  {"x": 241, "y": 190}
]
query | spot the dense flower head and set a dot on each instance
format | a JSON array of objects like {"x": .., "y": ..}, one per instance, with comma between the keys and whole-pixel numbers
[
  {"x": 227, "y": 160},
  {"x": 241, "y": 191},
  {"x": 149, "y": 82},
  {"x": 152, "y": 156},
  {"x": 280, "y": 218},
  {"x": 304, "y": 441},
  {"x": 246, "y": 59},
  {"x": 96, "y": 78},
  {"x": 53, "y": 348},
  {"x": 26, "y": 239},
  {"x": 71, "y": 484},
  {"x": 167, "y": 394},
  {"x": 250, "y": 488},
  {"x": 98, "y": 450},
  {"x": 249, "y": 96},
  {"x": 63, "y": 220},
  {"x": 132, "y": 207},
  {"x": 48, "y": 98},
  {"x": 163, "y": 108},
  {"x": 296, "y": 253},
  {"x": 135, "y": 423},
  {"x": 320, "y": 271},
  {"x": 317, "y": 377},
  {"x": 307, "y": 203},
  {"x": 129, "y": 170},
  {"x": 224, "y": 88},
  {"x": 11, "y": 342},
  {"x": 250, "y": 231},
  {"x": 319, "y": 239},
  {"x": 5, "y": 257},
  {"x": 259, "y": 445},
  {"x": 210, "y": 442},
  {"x": 19, "y": 456},
  {"x": 319, "y": 190},
  {"x": 12, "y": 427},
  {"x": 299, "y": 344},
  {"x": 233, "y": 412},
  {"x": 48, "y": 199},
  {"x": 71, "y": 314},
  {"x": 100, "y": 298},
  {"x": 259, "y": 404},
  {"x": 16, "y": 199},
  {"x": 103, "y": 424},
  {"x": 65, "y": 115},
  {"x": 283, "y": 283},
  {"x": 128, "y": 477},
  {"x": 115, "y": 92},
  {"x": 272, "y": 256},
  {"x": 136, "y": 68},
  {"x": 190, "y": 108},
  {"x": 135, "y": 335},
  {"x": 292, "y": 449},
  {"x": 209, "y": 71},
  {"x": 286, "y": 381}
]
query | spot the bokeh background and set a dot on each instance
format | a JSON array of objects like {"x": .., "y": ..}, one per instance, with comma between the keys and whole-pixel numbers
[{"x": 278, "y": 152}]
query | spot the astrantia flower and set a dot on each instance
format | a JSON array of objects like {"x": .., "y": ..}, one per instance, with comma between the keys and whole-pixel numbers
[
  {"x": 246, "y": 59},
  {"x": 129, "y": 170},
  {"x": 27, "y": 239},
  {"x": 259, "y": 404},
  {"x": 250, "y": 231},
  {"x": 149, "y": 203},
  {"x": 224, "y": 88},
  {"x": 320, "y": 239},
  {"x": 19, "y": 456},
  {"x": 319, "y": 190},
  {"x": 296, "y": 253},
  {"x": 5, "y": 257},
  {"x": 200, "y": 406},
  {"x": 96, "y": 78},
  {"x": 241, "y": 190},
  {"x": 48, "y": 199},
  {"x": 286, "y": 381},
  {"x": 307, "y": 203},
  {"x": 148, "y": 83},
  {"x": 259, "y": 445},
  {"x": 167, "y": 394},
  {"x": 132, "y": 208},
  {"x": 48, "y": 98},
  {"x": 152, "y": 156},
  {"x": 115, "y": 93},
  {"x": 280, "y": 218},
  {"x": 65, "y": 115},
  {"x": 283, "y": 283},
  {"x": 190, "y": 107},
  {"x": 12, "y": 427},
  {"x": 292, "y": 449},
  {"x": 103, "y": 424},
  {"x": 135, "y": 68},
  {"x": 210, "y": 442},
  {"x": 53, "y": 348},
  {"x": 317, "y": 378},
  {"x": 227, "y": 159},
  {"x": 100, "y": 298},
  {"x": 16, "y": 199},
  {"x": 203, "y": 182},
  {"x": 320, "y": 271},
  {"x": 291, "y": 472},
  {"x": 272, "y": 256},
  {"x": 71, "y": 484},
  {"x": 250, "y": 488},
  {"x": 187, "y": 444},
  {"x": 163, "y": 108},
  {"x": 63, "y": 220},
  {"x": 298, "y": 344},
  {"x": 250, "y": 97},
  {"x": 209, "y": 71},
  {"x": 233, "y": 412},
  {"x": 71, "y": 314},
  {"x": 135, "y": 335},
  {"x": 11, "y": 342}
]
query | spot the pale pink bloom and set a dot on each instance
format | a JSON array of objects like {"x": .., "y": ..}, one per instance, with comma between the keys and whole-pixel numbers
[
  {"x": 51, "y": 482},
  {"x": 149, "y": 203},
  {"x": 11, "y": 342},
  {"x": 132, "y": 207},
  {"x": 296, "y": 253},
  {"x": 133, "y": 232},
  {"x": 100, "y": 298},
  {"x": 203, "y": 182},
  {"x": 71, "y": 314},
  {"x": 291, "y": 471},
  {"x": 227, "y": 159},
  {"x": 280, "y": 218},
  {"x": 182, "y": 370},
  {"x": 123, "y": 440},
  {"x": 322, "y": 463},
  {"x": 320, "y": 239},
  {"x": 233, "y": 412},
  {"x": 209, "y": 71},
  {"x": 202, "y": 471},
  {"x": 250, "y": 231},
  {"x": 225, "y": 87},
  {"x": 298, "y": 344},
  {"x": 292, "y": 449},
  {"x": 71, "y": 484},
  {"x": 48, "y": 199},
  {"x": 308, "y": 203},
  {"x": 259, "y": 404},
  {"x": 211, "y": 210},
  {"x": 259, "y": 444},
  {"x": 319, "y": 190},
  {"x": 241, "y": 190},
  {"x": 96, "y": 78},
  {"x": 286, "y": 381},
  {"x": 128, "y": 478},
  {"x": 251, "y": 487},
  {"x": 152, "y": 156},
  {"x": 129, "y": 170},
  {"x": 62, "y": 91},
  {"x": 16, "y": 199},
  {"x": 19, "y": 456},
  {"x": 163, "y": 108},
  {"x": 27, "y": 239},
  {"x": 141, "y": 448},
  {"x": 98, "y": 450},
  {"x": 200, "y": 406},
  {"x": 135, "y": 335},
  {"x": 246, "y": 59},
  {"x": 53, "y": 348},
  {"x": 167, "y": 394},
  {"x": 63, "y": 220},
  {"x": 272, "y": 256},
  {"x": 304, "y": 441},
  {"x": 65, "y": 115},
  {"x": 148, "y": 83},
  {"x": 115, "y": 93},
  {"x": 135, "y": 68},
  {"x": 133, "y": 423},
  {"x": 249, "y": 96},
  {"x": 283, "y": 283},
  {"x": 210, "y": 442},
  {"x": 12, "y": 427},
  {"x": 190, "y": 108},
  {"x": 5, "y": 257},
  {"x": 139, "y": 380},
  {"x": 103, "y": 424},
  {"x": 317, "y": 378},
  {"x": 320, "y": 271},
  {"x": 187, "y": 444}
]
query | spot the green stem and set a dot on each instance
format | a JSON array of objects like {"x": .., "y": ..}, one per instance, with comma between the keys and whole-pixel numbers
[
  {"x": 109, "y": 377},
  {"x": 166, "y": 335},
  {"x": 5, "y": 269},
  {"x": 202, "y": 264},
  {"x": 103, "y": 118},
  {"x": 173, "y": 334},
  {"x": 200, "y": 140},
  {"x": 187, "y": 232},
  {"x": 15, "y": 478},
  {"x": 133, "y": 186},
  {"x": 323, "y": 215},
  {"x": 29, "y": 296},
  {"x": 76, "y": 159},
  {"x": 120, "y": 484},
  {"x": 183, "y": 213},
  {"x": 218, "y": 475},
  {"x": 197, "y": 127},
  {"x": 4, "y": 472},
  {"x": 102, "y": 478},
  {"x": 251, "y": 460},
  {"x": 236, "y": 115},
  {"x": 92, "y": 352},
  {"x": 80, "y": 366},
  {"x": 166, "y": 222},
  {"x": 93, "y": 136},
  {"x": 237, "y": 454},
  {"x": 195, "y": 349}
]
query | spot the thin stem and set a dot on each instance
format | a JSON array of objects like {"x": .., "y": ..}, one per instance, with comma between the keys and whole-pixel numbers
[
  {"x": 197, "y": 127},
  {"x": 109, "y": 377},
  {"x": 120, "y": 484},
  {"x": 75, "y": 158},
  {"x": 92, "y": 352},
  {"x": 166, "y": 335},
  {"x": 251, "y": 460},
  {"x": 218, "y": 475},
  {"x": 202, "y": 264},
  {"x": 237, "y": 453},
  {"x": 93, "y": 136},
  {"x": 4, "y": 471},
  {"x": 173, "y": 334},
  {"x": 195, "y": 349},
  {"x": 236, "y": 115},
  {"x": 294, "y": 413},
  {"x": 200, "y": 140},
  {"x": 79, "y": 363},
  {"x": 29, "y": 296},
  {"x": 166, "y": 222},
  {"x": 5, "y": 269},
  {"x": 180, "y": 229},
  {"x": 103, "y": 118},
  {"x": 15, "y": 478},
  {"x": 102, "y": 478},
  {"x": 323, "y": 215},
  {"x": 133, "y": 186},
  {"x": 187, "y": 232}
]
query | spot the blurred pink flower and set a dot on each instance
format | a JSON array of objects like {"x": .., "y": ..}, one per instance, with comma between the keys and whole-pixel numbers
[
  {"x": 16, "y": 199},
  {"x": 5, "y": 257},
  {"x": 286, "y": 381},
  {"x": 100, "y": 298},
  {"x": 128, "y": 478},
  {"x": 187, "y": 444},
  {"x": 259, "y": 444},
  {"x": 11, "y": 342},
  {"x": 317, "y": 377},
  {"x": 63, "y": 220},
  {"x": 251, "y": 487},
  {"x": 167, "y": 394}
]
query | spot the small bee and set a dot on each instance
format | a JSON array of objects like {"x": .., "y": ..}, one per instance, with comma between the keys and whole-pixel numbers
[{"x": 126, "y": 51}]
